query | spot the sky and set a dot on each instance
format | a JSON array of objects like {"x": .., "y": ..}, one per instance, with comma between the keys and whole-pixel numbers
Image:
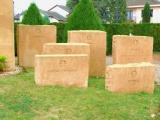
[{"x": 22, "y": 5}]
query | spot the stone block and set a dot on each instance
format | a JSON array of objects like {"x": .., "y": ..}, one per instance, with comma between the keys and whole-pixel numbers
[
  {"x": 6, "y": 7},
  {"x": 7, "y": 33},
  {"x": 66, "y": 48},
  {"x": 97, "y": 41},
  {"x": 132, "y": 49},
  {"x": 30, "y": 42},
  {"x": 63, "y": 70},
  {"x": 130, "y": 78}
]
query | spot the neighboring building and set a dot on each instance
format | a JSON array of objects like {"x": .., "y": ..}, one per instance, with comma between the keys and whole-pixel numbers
[
  {"x": 63, "y": 10},
  {"x": 57, "y": 13},
  {"x": 135, "y": 8}
]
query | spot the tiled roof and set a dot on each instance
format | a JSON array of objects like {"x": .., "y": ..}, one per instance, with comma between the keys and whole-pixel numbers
[
  {"x": 54, "y": 15},
  {"x": 141, "y": 2},
  {"x": 62, "y": 7},
  {"x": 17, "y": 17}
]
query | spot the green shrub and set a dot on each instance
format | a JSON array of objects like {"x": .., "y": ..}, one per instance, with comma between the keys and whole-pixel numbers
[
  {"x": 146, "y": 13},
  {"x": 46, "y": 19},
  {"x": 60, "y": 31},
  {"x": 32, "y": 16},
  {"x": 84, "y": 17},
  {"x": 2, "y": 62},
  {"x": 147, "y": 29}
]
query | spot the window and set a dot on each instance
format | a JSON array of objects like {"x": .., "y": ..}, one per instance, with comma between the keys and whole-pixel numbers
[
  {"x": 151, "y": 13},
  {"x": 130, "y": 14}
]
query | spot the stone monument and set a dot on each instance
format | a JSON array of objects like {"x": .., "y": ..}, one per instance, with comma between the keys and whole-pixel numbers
[
  {"x": 62, "y": 69},
  {"x": 30, "y": 41},
  {"x": 132, "y": 49},
  {"x": 7, "y": 33},
  {"x": 97, "y": 41},
  {"x": 66, "y": 48},
  {"x": 130, "y": 78}
]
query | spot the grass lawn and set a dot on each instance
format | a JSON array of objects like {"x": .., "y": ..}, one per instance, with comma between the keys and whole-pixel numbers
[{"x": 21, "y": 98}]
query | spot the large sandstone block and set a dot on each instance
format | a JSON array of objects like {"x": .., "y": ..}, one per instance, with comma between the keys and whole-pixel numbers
[
  {"x": 97, "y": 41},
  {"x": 132, "y": 49},
  {"x": 7, "y": 33},
  {"x": 130, "y": 78},
  {"x": 31, "y": 40},
  {"x": 6, "y": 7},
  {"x": 64, "y": 70},
  {"x": 66, "y": 48}
]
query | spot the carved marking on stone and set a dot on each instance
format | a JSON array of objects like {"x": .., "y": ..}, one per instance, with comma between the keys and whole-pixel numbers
[
  {"x": 134, "y": 73},
  {"x": 135, "y": 42},
  {"x": 63, "y": 63},
  {"x": 68, "y": 51},
  {"x": 38, "y": 31}
]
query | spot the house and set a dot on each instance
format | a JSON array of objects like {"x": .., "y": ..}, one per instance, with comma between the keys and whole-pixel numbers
[
  {"x": 135, "y": 8},
  {"x": 58, "y": 13},
  {"x": 62, "y": 10}
]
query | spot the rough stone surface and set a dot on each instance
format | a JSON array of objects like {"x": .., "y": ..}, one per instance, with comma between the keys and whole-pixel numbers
[
  {"x": 31, "y": 40},
  {"x": 130, "y": 78},
  {"x": 66, "y": 48},
  {"x": 132, "y": 49},
  {"x": 62, "y": 70},
  {"x": 97, "y": 41},
  {"x": 7, "y": 33}
]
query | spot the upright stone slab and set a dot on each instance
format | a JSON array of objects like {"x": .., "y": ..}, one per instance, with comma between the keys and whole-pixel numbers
[
  {"x": 132, "y": 49},
  {"x": 66, "y": 48},
  {"x": 97, "y": 41},
  {"x": 31, "y": 40},
  {"x": 64, "y": 70},
  {"x": 7, "y": 33},
  {"x": 130, "y": 78}
]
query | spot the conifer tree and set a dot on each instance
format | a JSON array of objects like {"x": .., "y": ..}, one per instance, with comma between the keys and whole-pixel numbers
[
  {"x": 84, "y": 17},
  {"x": 146, "y": 14},
  {"x": 99, "y": 5},
  {"x": 32, "y": 16},
  {"x": 46, "y": 18}
]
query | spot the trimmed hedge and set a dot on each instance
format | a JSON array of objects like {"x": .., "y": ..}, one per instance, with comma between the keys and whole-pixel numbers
[
  {"x": 60, "y": 31},
  {"x": 15, "y": 40},
  {"x": 148, "y": 29}
]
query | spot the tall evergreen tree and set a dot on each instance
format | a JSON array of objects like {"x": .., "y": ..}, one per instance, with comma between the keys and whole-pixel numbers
[
  {"x": 122, "y": 11},
  {"x": 32, "y": 16},
  {"x": 71, "y": 4},
  {"x": 84, "y": 17},
  {"x": 99, "y": 5},
  {"x": 146, "y": 14}
]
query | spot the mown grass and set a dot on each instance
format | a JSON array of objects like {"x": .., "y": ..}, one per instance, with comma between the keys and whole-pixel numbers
[{"x": 21, "y": 98}]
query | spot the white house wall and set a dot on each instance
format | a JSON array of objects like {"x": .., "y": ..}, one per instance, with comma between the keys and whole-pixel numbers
[
  {"x": 137, "y": 14},
  {"x": 156, "y": 15},
  {"x": 53, "y": 20},
  {"x": 60, "y": 11}
]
